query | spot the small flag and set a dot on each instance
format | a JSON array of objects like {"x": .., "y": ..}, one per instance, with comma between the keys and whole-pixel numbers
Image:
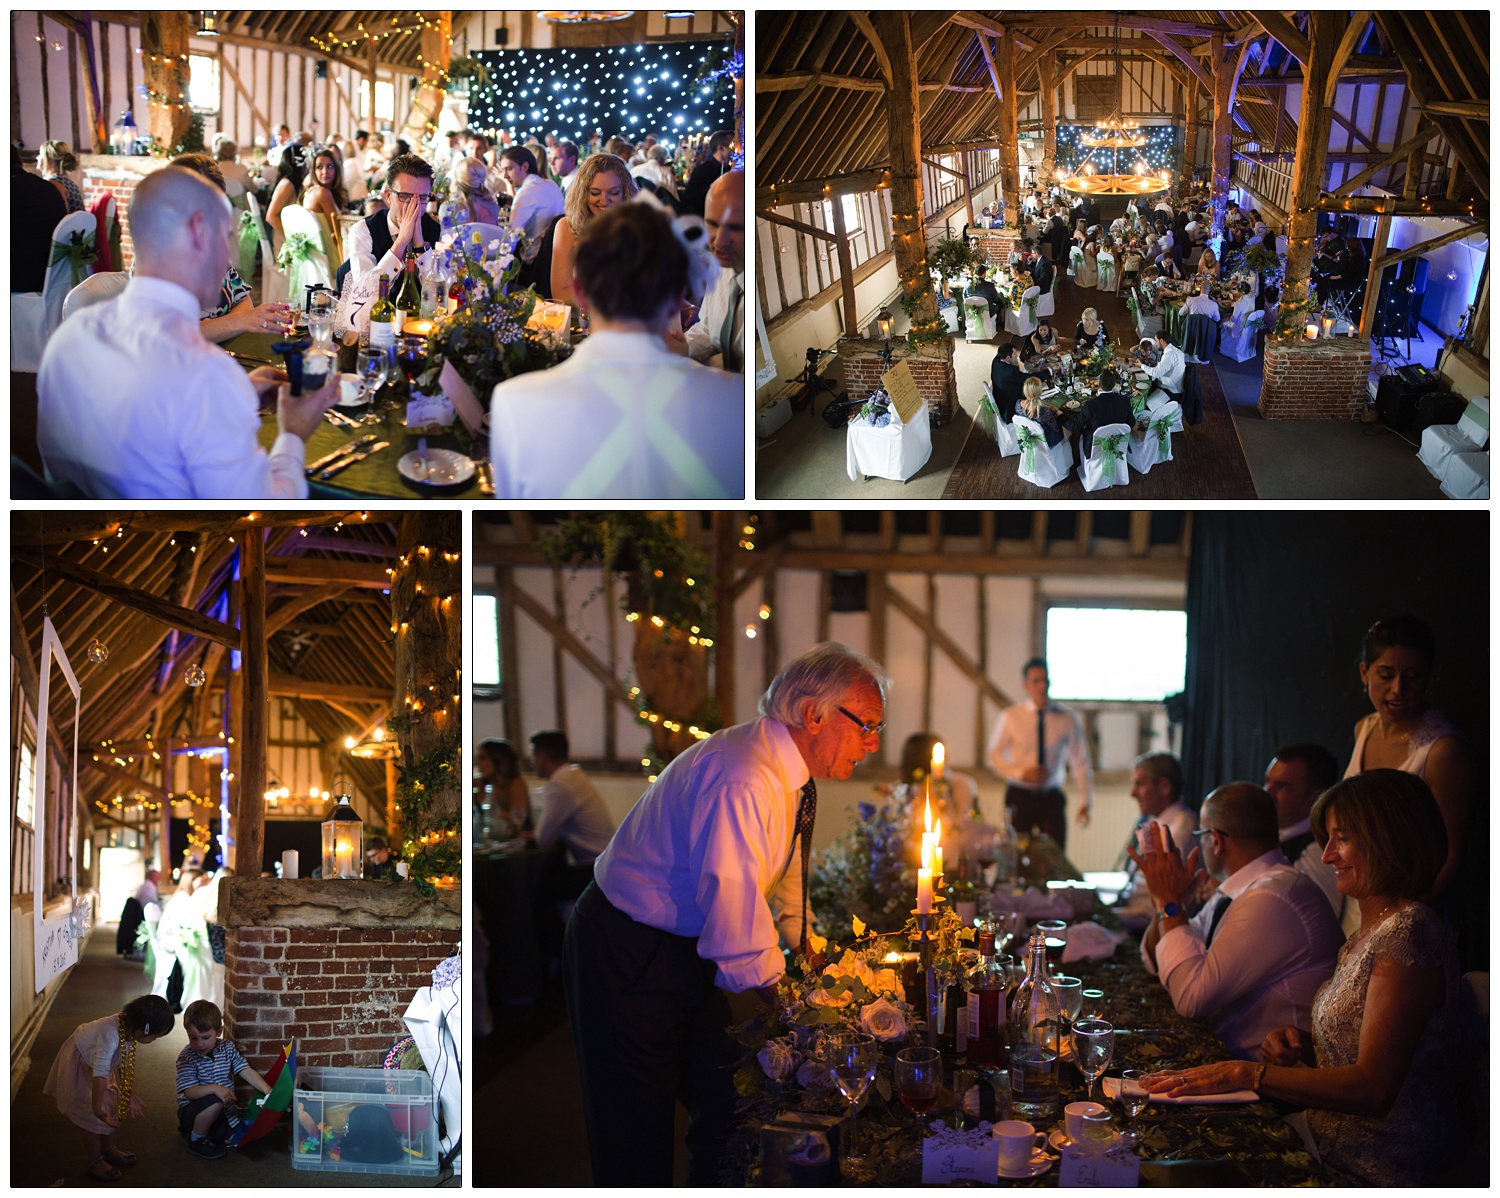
[{"x": 265, "y": 1110}]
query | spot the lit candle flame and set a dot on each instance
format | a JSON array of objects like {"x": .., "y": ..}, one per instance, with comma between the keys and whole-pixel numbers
[
  {"x": 939, "y": 755},
  {"x": 927, "y": 816}
]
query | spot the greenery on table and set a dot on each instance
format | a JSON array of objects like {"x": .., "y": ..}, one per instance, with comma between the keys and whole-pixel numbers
[
  {"x": 951, "y": 257},
  {"x": 1097, "y": 361},
  {"x": 870, "y": 872}
]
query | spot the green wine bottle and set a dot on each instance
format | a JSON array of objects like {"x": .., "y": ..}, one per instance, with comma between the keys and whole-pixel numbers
[
  {"x": 383, "y": 318},
  {"x": 408, "y": 295}
]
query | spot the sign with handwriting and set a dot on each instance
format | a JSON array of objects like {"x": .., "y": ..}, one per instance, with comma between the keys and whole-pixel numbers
[
  {"x": 1114, "y": 1169},
  {"x": 951, "y": 1155},
  {"x": 902, "y": 389}
]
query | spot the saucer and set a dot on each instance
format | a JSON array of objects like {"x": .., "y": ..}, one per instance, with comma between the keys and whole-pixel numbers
[
  {"x": 445, "y": 468},
  {"x": 1040, "y": 1162},
  {"x": 1058, "y": 1141}
]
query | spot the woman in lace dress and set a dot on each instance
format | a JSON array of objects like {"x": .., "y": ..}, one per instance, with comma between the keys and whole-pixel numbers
[{"x": 1376, "y": 1070}]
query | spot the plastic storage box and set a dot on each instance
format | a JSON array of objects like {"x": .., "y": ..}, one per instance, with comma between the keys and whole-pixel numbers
[{"x": 364, "y": 1121}]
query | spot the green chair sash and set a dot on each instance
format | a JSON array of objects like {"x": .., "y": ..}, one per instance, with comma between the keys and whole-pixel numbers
[
  {"x": 1162, "y": 427},
  {"x": 249, "y": 245},
  {"x": 79, "y": 252},
  {"x": 989, "y": 414},
  {"x": 1111, "y": 451},
  {"x": 1028, "y": 441}
]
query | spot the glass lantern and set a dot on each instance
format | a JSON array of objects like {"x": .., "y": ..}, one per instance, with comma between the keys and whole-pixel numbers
[
  {"x": 886, "y": 323},
  {"x": 122, "y": 136},
  {"x": 1326, "y": 322},
  {"x": 343, "y": 837}
]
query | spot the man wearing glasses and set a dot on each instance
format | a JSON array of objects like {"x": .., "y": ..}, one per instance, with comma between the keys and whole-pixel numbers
[
  {"x": 379, "y": 243},
  {"x": 690, "y": 904}
]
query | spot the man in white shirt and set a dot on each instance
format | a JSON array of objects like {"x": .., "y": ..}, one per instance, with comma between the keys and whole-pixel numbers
[
  {"x": 1200, "y": 304},
  {"x": 1297, "y": 775},
  {"x": 1264, "y": 944},
  {"x": 563, "y": 159},
  {"x": 538, "y": 202},
  {"x": 624, "y": 417},
  {"x": 1170, "y": 365},
  {"x": 719, "y": 332},
  {"x": 379, "y": 243},
  {"x": 573, "y": 813},
  {"x": 1156, "y": 786},
  {"x": 685, "y": 909},
  {"x": 1033, "y": 744},
  {"x": 133, "y": 403}
]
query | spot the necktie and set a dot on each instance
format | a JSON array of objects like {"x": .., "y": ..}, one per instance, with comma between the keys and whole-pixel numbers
[
  {"x": 1041, "y": 737},
  {"x": 727, "y": 331},
  {"x": 1221, "y": 904},
  {"x": 807, "y": 811}
]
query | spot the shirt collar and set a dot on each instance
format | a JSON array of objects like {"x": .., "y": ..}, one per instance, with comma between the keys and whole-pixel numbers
[
  {"x": 794, "y": 770},
  {"x": 1301, "y": 826},
  {"x": 166, "y": 293},
  {"x": 1243, "y": 878}
]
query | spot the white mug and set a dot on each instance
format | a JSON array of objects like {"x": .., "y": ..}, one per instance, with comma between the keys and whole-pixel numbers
[
  {"x": 349, "y": 385},
  {"x": 1073, "y": 1115},
  {"x": 1017, "y": 1139}
]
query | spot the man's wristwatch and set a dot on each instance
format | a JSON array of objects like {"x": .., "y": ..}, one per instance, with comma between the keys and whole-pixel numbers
[{"x": 1169, "y": 911}]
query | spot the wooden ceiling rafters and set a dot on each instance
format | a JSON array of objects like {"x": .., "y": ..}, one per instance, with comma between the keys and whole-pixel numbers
[
  {"x": 820, "y": 107},
  {"x": 330, "y": 637}
]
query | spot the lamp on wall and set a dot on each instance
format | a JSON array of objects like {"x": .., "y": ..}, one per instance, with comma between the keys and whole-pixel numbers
[{"x": 208, "y": 24}]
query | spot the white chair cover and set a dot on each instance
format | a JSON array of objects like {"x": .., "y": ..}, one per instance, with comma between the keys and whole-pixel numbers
[
  {"x": 435, "y": 1020},
  {"x": 1238, "y": 341},
  {"x": 272, "y": 278},
  {"x": 1467, "y": 475},
  {"x": 95, "y": 290},
  {"x": 34, "y": 315},
  {"x": 978, "y": 323},
  {"x": 1026, "y": 311},
  {"x": 1005, "y": 435},
  {"x": 488, "y": 232},
  {"x": 1075, "y": 261},
  {"x": 1442, "y": 441},
  {"x": 1156, "y": 445},
  {"x": 302, "y": 258},
  {"x": 1158, "y": 399},
  {"x": 1105, "y": 465},
  {"x": 894, "y": 450},
  {"x": 1088, "y": 273},
  {"x": 1045, "y": 304},
  {"x": 1041, "y": 464},
  {"x": 1109, "y": 278}
]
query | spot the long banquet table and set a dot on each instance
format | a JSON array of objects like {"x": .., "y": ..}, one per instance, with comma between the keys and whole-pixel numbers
[{"x": 1227, "y": 1144}]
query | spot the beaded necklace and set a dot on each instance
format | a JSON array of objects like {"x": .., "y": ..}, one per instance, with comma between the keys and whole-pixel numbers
[{"x": 127, "y": 1065}]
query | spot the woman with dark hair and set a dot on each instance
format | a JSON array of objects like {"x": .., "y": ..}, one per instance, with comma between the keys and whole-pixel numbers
[
  {"x": 323, "y": 195},
  {"x": 1375, "y": 1070},
  {"x": 290, "y": 172},
  {"x": 1404, "y": 733},
  {"x": 500, "y": 769}
]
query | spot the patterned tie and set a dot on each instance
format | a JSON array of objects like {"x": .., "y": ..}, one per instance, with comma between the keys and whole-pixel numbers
[
  {"x": 1221, "y": 905},
  {"x": 730, "y": 326},
  {"x": 807, "y": 811}
]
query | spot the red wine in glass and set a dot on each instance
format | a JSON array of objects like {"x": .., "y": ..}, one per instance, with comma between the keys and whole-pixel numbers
[{"x": 918, "y": 1097}]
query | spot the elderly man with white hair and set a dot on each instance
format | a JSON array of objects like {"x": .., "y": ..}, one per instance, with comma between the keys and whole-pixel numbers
[
  {"x": 133, "y": 403},
  {"x": 690, "y": 902}
]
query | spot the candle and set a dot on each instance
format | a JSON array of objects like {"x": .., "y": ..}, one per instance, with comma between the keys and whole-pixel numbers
[
  {"x": 343, "y": 856},
  {"x": 289, "y": 863},
  {"x": 937, "y": 849},
  {"x": 939, "y": 755},
  {"x": 927, "y": 850},
  {"x": 1312, "y": 331},
  {"x": 924, "y": 892}
]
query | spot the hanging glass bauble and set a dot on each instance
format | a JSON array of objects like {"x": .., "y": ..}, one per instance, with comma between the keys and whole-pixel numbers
[
  {"x": 98, "y": 651},
  {"x": 195, "y": 676}
]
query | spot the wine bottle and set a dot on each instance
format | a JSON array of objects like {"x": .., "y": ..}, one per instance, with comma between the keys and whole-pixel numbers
[
  {"x": 458, "y": 292},
  {"x": 963, "y": 895},
  {"x": 987, "y": 990},
  {"x": 1035, "y": 1039},
  {"x": 383, "y": 318},
  {"x": 408, "y": 295}
]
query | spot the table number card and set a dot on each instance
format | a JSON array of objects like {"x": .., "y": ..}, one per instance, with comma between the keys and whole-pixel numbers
[
  {"x": 951, "y": 1155},
  {"x": 1114, "y": 1169},
  {"x": 902, "y": 389}
]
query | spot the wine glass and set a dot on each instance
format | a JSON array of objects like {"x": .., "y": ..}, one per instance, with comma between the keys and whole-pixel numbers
[
  {"x": 851, "y": 1057},
  {"x": 1069, "y": 993},
  {"x": 1133, "y": 1094},
  {"x": 919, "y": 1078},
  {"x": 1092, "y": 1004},
  {"x": 373, "y": 364},
  {"x": 1093, "y": 1046}
]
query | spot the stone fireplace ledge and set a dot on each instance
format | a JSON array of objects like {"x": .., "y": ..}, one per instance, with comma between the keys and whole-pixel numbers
[{"x": 318, "y": 903}]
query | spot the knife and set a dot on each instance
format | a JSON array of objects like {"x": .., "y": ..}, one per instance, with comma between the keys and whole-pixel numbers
[
  {"x": 347, "y": 447},
  {"x": 352, "y": 458}
]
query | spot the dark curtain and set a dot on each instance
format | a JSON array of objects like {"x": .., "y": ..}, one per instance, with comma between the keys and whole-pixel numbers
[{"x": 1277, "y": 606}]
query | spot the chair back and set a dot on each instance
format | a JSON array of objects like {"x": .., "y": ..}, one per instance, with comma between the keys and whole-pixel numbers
[
  {"x": 1038, "y": 465},
  {"x": 1005, "y": 435},
  {"x": 272, "y": 280},
  {"x": 1107, "y": 277},
  {"x": 302, "y": 256},
  {"x": 72, "y": 261},
  {"x": 95, "y": 290},
  {"x": 488, "y": 232},
  {"x": 1105, "y": 465},
  {"x": 1474, "y": 424},
  {"x": 106, "y": 233},
  {"x": 1197, "y": 337}
]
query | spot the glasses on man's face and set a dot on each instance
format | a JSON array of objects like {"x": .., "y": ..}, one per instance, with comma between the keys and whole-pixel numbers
[
  {"x": 406, "y": 197},
  {"x": 864, "y": 728}
]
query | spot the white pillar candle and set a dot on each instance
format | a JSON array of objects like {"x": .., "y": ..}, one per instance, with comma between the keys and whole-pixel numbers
[
  {"x": 924, "y": 892},
  {"x": 289, "y": 863}
]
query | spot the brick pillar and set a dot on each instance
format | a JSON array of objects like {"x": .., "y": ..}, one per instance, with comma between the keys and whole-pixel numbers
[
  {"x": 931, "y": 367},
  {"x": 996, "y": 244},
  {"x": 1315, "y": 380},
  {"x": 333, "y": 963},
  {"x": 118, "y": 176}
]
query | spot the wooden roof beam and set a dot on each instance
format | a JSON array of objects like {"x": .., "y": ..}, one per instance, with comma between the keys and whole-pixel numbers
[
  {"x": 1280, "y": 26},
  {"x": 323, "y": 572},
  {"x": 807, "y": 191},
  {"x": 1356, "y": 30},
  {"x": 1186, "y": 59},
  {"x": 1143, "y": 22},
  {"x": 1351, "y": 185},
  {"x": 1472, "y": 110},
  {"x": 862, "y": 23},
  {"x": 289, "y": 686}
]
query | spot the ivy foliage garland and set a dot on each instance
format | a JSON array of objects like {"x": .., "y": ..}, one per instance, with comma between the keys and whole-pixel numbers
[{"x": 431, "y": 848}]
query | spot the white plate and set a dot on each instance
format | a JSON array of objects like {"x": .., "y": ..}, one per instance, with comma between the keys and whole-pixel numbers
[
  {"x": 445, "y": 468},
  {"x": 1058, "y": 1140},
  {"x": 1040, "y": 1162}
]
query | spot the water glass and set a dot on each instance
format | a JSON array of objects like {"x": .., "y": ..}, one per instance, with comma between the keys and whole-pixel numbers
[
  {"x": 1069, "y": 994},
  {"x": 1092, "y": 1005},
  {"x": 373, "y": 366},
  {"x": 1134, "y": 1096},
  {"x": 851, "y": 1058},
  {"x": 320, "y": 327},
  {"x": 1093, "y": 1047},
  {"x": 1097, "y": 1132}
]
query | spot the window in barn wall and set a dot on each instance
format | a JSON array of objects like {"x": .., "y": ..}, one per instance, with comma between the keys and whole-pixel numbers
[
  {"x": 203, "y": 82},
  {"x": 26, "y": 783},
  {"x": 1077, "y": 669},
  {"x": 851, "y": 214},
  {"x": 486, "y": 641},
  {"x": 385, "y": 100}
]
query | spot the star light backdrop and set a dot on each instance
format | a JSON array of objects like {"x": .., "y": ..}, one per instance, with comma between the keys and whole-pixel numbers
[
  {"x": 662, "y": 88},
  {"x": 1161, "y": 150}
]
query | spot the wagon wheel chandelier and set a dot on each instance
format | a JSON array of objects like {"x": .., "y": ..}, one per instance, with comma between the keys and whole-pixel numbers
[{"x": 1114, "y": 134}]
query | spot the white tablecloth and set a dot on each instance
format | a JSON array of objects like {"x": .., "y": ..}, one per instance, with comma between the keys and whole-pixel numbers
[{"x": 894, "y": 451}]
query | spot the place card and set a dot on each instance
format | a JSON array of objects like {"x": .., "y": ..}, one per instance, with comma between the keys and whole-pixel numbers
[
  {"x": 902, "y": 389},
  {"x": 1115, "y": 1169},
  {"x": 426, "y": 410},
  {"x": 461, "y": 397},
  {"x": 951, "y": 1155}
]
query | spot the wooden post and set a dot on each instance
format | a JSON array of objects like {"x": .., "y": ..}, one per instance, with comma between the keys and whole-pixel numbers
[
  {"x": 968, "y": 186},
  {"x": 1372, "y": 284},
  {"x": 846, "y": 266},
  {"x": 164, "y": 47},
  {"x": 1010, "y": 161},
  {"x": 1223, "y": 147},
  {"x": 1413, "y": 168},
  {"x": 908, "y": 228},
  {"x": 726, "y": 537},
  {"x": 250, "y": 832},
  {"x": 98, "y": 127},
  {"x": 1048, "y": 97},
  {"x": 437, "y": 45},
  {"x": 1190, "y": 133},
  {"x": 1324, "y": 29}
]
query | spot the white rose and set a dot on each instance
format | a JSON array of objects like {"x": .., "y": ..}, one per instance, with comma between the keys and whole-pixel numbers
[
  {"x": 883, "y": 1020},
  {"x": 813, "y": 1075},
  {"x": 776, "y": 1060}
]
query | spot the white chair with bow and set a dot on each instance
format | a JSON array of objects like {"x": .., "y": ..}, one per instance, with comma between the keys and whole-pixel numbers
[
  {"x": 979, "y": 325},
  {"x": 35, "y": 315},
  {"x": 1238, "y": 338},
  {"x": 1158, "y": 399},
  {"x": 1026, "y": 312},
  {"x": 1075, "y": 261},
  {"x": 1109, "y": 277},
  {"x": 1441, "y": 441},
  {"x": 1155, "y": 444},
  {"x": 302, "y": 260},
  {"x": 1105, "y": 465},
  {"x": 273, "y": 283},
  {"x": 95, "y": 289},
  {"x": 1005, "y": 435},
  {"x": 1042, "y": 464}
]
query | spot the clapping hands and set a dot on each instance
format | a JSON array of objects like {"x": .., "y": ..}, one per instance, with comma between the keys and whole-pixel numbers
[{"x": 1167, "y": 876}]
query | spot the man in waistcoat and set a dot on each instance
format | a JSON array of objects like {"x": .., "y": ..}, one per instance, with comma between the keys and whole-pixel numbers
[{"x": 379, "y": 242}]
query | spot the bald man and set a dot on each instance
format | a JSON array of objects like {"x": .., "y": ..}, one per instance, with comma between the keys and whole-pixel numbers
[
  {"x": 135, "y": 404},
  {"x": 718, "y": 338},
  {"x": 1264, "y": 943}
]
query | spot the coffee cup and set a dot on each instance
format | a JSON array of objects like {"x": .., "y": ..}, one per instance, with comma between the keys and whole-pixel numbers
[
  {"x": 1017, "y": 1140},
  {"x": 349, "y": 388},
  {"x": 1073, "y": 1115}
]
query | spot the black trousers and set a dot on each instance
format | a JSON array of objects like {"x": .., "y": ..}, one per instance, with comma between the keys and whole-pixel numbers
[
  {"x": 649, "y": 1029},
  {"x": 1044, "y": 809}
]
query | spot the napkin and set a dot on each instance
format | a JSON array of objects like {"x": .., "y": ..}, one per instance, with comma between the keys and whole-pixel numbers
[
  {"x": 1112, "y": 1090},
  {"x": 1032, "y": 905},
  {"x": 1090, "y": 942}
]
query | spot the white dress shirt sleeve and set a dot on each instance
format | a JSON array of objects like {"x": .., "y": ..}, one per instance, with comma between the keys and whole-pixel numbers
[
  {"x": 703, "y": 336},
  {"x": 1080, "y": 762},
  {"x": 557, "y": 805},
  {"x": 362, "y": 258},
  {"x": 1251, "y": 945},
  {"x": 1002, "y": 752},
  {"x": 218, "y": 441}
]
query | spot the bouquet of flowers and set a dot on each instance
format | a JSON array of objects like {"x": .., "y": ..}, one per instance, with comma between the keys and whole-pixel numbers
[
  {"x": 1094, "y": 364},
  {"x": 876, "y": 410},
  {"x": 870, "y": 872},
  {"x": 485, "y": 339}
]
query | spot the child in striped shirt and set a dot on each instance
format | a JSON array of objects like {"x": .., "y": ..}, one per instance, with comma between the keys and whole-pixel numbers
[{"x": 206, "y": 1070}]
